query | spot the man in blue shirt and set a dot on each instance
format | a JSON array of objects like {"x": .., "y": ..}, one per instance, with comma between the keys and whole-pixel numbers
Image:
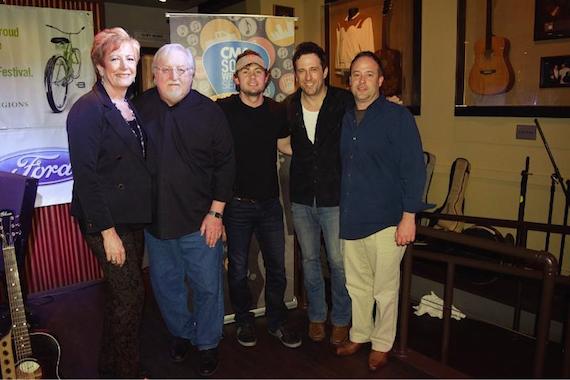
[{"x": 383, "y": 176}]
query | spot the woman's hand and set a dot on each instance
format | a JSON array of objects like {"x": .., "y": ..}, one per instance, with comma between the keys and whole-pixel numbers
[{"x": 113, "y": 246}]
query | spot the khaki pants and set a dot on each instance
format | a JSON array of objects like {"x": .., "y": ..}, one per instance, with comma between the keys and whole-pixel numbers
[{"x": 372, "y": 266}]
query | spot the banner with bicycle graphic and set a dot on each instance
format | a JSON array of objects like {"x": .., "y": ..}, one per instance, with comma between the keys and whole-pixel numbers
[{"x": 45, "y": 66}]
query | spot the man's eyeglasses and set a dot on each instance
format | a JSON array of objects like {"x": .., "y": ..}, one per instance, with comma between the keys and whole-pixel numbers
[{"x": 178, "y": 70}]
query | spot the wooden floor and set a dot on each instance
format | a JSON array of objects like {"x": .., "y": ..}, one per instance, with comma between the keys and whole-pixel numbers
[
  {"x": 476, "y": 349},
  {"x": 74, "y": 316}
]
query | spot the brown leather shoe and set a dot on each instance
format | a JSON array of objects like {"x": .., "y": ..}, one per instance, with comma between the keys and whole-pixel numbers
[
  {"x": 317, "y": 331},
  {"x": 339, "y": 334},
  {"x": 377, "y": 359},
  {"x": 348, "y": 348}
]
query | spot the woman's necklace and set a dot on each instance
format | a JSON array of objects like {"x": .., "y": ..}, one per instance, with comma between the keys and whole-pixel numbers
[{"x": 123, "y": 106}]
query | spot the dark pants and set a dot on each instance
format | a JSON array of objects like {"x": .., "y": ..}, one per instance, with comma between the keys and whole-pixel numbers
[
  {"x": 124, "y": 300},
  {"x": 264, "y": 218}
]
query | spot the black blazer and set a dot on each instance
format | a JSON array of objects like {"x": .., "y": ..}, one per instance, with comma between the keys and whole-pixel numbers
[{"x": 112, "y": 183}]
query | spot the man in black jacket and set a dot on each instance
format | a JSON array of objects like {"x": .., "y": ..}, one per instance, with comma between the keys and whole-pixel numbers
[
  {"x": 315, "y": 114},
  {"x": 195, "y": 171}
]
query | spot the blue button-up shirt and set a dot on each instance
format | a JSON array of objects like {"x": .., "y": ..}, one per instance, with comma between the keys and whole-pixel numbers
[{"x": 383, "y": 170}]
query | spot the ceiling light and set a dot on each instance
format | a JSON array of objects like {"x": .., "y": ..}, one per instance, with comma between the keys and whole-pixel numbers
[{"x": 162, "y": 1}]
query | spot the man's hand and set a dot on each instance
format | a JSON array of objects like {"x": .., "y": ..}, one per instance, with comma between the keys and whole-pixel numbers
[
  {"x": 211, "y": 229},
  {"x": 395, "y": 99},
  {"x": 284, "y": 146},
  {"x": 406, "y": 230},
  {"x": 114, "y": 250}
]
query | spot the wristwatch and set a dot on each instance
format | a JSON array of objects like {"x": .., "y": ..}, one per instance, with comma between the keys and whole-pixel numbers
[{"x": 215, "y": 214}]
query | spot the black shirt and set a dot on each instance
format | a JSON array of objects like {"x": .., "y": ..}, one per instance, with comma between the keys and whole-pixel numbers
[
  {"x": 194, "y": 162},
  {"x": 255, "y": 132},
  {"x": 315, "y": 168}
]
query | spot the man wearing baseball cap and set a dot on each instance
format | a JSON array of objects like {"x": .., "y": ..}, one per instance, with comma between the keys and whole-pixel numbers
[{"x": 257, "y": 124}]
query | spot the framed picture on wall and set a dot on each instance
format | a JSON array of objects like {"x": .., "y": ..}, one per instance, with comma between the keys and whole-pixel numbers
[
  {"x": 555, "y": 71},
  {"x": 391, "y": 29},
  {"x": 501, "y": 70},
  {"x": 551, "y": 19}
]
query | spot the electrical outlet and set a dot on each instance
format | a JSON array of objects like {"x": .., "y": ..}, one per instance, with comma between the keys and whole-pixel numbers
[{"x": 526, "y": 132}]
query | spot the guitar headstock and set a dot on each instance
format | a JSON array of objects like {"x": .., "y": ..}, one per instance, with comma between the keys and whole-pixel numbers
[
  {"x": 387, "y": 7},
  {"x": 9, "y": 228}
]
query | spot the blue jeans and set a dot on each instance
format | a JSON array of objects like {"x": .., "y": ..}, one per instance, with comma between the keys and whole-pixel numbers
[
  {"x": 309, "y": 221},
  {"x": 264, "y": 218},
  {"x": 173, "y": 262}
]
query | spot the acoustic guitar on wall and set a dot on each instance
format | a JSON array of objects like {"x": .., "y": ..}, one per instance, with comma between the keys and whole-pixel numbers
[
  {"x": 24, "y": 354},
  {"x": 492, "y": 72},
  {"x": 390, "y": 59}
]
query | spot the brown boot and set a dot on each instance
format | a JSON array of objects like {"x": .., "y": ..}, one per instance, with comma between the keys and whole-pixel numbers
[
  {"x": 377, "y": 359},
  {"x": 348, "y": 348},
  {"x": 317, "y": 331},
  {"x": 339, "y": 334}
]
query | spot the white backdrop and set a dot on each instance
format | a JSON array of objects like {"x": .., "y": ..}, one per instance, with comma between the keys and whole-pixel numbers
[{"x": 33, "y": 140}]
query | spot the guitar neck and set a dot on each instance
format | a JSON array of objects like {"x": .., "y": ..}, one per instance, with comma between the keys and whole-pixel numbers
[
  {"x": 489, "y": 26},
  {"x": 20, "y": 332},
  {"x": 385, "y": 23}
]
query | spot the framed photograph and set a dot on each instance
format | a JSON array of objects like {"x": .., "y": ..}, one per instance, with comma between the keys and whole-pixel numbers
[
  {"x": 555, "y": 71},
  {"x": 390, "y": 29},
  {"x": 280, "y": 10},
  {"x": 501, "y": 70},
  {"x": 551, "y": 19}
]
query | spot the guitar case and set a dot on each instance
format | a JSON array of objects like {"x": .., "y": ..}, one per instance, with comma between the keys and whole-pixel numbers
[
  {"x": 466, "y": 275},
  {"x": 455, "y": 201},
  {"x": 476, "y": 276}
]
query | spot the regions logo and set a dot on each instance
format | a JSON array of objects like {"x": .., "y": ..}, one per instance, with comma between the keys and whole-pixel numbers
[
  {"x": 48, "y": 165},
  {"x": 219, "y": 61}
]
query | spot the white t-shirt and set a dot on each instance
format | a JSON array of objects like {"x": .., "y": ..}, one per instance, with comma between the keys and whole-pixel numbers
[{"x": 310, "y": 120}]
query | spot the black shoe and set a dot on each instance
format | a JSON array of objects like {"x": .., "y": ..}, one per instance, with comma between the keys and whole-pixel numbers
[
  {"x": 287, "y": 337},
  {"x": 179, "y": 349},
  {"x": 246, "y": 335},
  {"x": 208, "y": 362}
]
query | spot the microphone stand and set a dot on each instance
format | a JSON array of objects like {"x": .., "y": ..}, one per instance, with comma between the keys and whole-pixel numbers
[
  {"x": 556, "y": 177},
  {"x": 520, "y": 240}
]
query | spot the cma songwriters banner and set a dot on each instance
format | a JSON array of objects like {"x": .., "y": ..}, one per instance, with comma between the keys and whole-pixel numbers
[
  {"x": 45, "y": 66},
  {"x": 216, "y": 40}
]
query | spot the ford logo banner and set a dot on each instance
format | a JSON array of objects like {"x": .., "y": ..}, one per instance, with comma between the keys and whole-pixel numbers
[{"x": 48, "y": 165}]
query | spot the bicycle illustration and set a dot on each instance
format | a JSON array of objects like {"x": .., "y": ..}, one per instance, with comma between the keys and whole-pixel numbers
[{"x": 61, "y": 69}]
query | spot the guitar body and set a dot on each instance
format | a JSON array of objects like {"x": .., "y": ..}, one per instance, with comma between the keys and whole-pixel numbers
[
  {"x": 390, "y": 59},
  {"x": 23, "y": 355},
  {"x": 392, "y": 67},
  {"x": 44, "y": 363},
  {"x": 492, "y": 72}
]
